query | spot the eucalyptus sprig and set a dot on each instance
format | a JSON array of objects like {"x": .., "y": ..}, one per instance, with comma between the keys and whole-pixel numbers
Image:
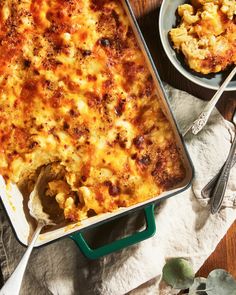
[{"x": 178, "y": 273}]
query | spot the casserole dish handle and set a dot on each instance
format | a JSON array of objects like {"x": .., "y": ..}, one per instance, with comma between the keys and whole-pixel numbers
[{"x": 117, "y": 245}]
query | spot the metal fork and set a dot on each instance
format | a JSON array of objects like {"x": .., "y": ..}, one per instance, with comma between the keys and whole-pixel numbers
[{"x": 219, "y": 190}]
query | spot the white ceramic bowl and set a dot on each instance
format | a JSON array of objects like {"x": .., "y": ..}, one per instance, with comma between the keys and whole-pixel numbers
[{"x": 167, "y": 20}]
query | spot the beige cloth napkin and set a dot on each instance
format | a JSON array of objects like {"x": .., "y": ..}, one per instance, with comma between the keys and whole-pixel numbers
[
  {"x": 184, "y": 228},
  {"x": 210, "y": 148}
]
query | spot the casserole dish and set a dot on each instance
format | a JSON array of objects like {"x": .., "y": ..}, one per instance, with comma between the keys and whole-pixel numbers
[{"x": 14, "y": 202}]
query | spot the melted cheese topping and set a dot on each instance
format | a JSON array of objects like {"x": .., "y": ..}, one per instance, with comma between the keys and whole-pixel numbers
[
  {"x": 75, "y": 92},
  {"x": 207, "y": 34}
]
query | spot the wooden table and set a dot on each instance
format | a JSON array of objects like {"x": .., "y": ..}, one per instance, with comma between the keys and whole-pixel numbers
[{"x": 147, "y": 12}]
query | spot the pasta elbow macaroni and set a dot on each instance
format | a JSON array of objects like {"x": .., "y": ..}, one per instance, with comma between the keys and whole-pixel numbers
[
  {"x": 75, "y": 93},
  {"x": 207, "y": 35}
]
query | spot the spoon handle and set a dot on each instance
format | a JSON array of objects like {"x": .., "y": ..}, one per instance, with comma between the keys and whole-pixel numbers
[
  {"x": 13, "y": 284},
  {"x": 206, "y": 191},
  {"x": 219, "y": 190},
  {"x": 202, "y": 119}
]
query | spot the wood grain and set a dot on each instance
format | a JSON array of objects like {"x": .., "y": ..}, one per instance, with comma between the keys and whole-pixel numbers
[
  {"x": 224, "y": 256},
  {"x": 147, "y": 12}
]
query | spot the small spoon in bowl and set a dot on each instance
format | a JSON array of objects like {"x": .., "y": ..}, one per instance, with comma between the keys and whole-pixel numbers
[{"x": 13, "y": 284}]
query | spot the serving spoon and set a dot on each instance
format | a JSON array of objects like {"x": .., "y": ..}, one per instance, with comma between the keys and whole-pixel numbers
[{"x": 13, "y": 284}]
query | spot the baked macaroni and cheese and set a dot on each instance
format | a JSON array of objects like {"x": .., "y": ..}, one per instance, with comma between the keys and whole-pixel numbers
[
  {"x": 207, "y": 34},
  {"x": 75, "y": 93}
]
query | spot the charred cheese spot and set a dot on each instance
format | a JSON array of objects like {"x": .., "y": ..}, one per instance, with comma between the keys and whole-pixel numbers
[{"x": 75, "y": 92}]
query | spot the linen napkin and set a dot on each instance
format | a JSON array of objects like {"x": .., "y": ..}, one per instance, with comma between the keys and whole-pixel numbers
[
  {"x": 210, "y": 148},
  {"x": 185, "y": 228}
]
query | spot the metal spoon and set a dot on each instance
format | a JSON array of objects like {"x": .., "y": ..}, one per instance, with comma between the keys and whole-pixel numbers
[
  {"x": 219, "y": 190},
  {"x": 202, "y": 119},
  {"x": 208, "y": 188},
  {"x": 13, "y": 284}
]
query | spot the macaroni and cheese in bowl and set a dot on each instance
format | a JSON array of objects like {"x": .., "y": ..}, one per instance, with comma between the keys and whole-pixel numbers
[{"x": 199, "y": 39}]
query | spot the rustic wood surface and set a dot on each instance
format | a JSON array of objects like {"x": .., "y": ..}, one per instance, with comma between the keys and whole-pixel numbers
[{"x": 147, "y": 12}]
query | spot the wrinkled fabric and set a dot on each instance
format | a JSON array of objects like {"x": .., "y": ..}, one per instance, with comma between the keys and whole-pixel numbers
[
  {"x": 185, "y": 228},
  {"x": 210, "y": 148}
]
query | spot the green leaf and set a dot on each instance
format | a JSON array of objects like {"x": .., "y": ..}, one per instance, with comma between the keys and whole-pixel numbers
[
  {"x": 198, "y": 284},
  {"x": 178, "y": 273},
  {"x": 220, "y": 282}
]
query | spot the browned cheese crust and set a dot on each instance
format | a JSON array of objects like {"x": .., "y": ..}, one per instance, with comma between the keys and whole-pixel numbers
[{"x": 75, "y": 91}]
